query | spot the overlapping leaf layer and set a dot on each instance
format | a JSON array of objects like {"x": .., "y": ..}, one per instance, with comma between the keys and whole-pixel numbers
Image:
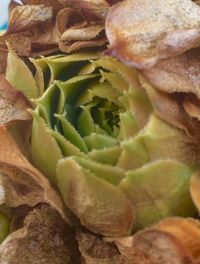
[{"x": 96, "y": 136}]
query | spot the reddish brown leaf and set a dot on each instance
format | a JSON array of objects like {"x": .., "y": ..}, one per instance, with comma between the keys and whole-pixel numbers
[
  {"x": 192, "y": 106},
  {"x": 44, "y": 238}
]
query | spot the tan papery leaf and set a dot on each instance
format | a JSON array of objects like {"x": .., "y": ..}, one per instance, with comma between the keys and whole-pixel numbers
[
  {"x": 172, "y": 241},
  {"x": 23, "y": 18},
  {"x": 178, "y": 74},
  {"x": 141, "y": 33}
]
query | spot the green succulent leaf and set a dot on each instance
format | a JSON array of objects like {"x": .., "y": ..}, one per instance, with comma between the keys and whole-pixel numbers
[
  {"x": 159, "y": 190},
  {"x": 45, "y": 150},
  {"x": 27, "y": 85}
]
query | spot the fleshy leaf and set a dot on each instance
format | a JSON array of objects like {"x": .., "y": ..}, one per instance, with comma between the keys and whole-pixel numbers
[
  {"x": 128, "y": 125},
  {"x": 141, "y": 41},
  {"x": 134, "y": 154},
  {"x": 94, "y": 201},
  {"x": 45, "y": 149},
  {"x": 108, "y": 173},
  {"x": 173, "y": 143},
  {"x": 27, "y": 85},
  {"x": 107, "y": 155},
  {"x": 159, "y": 190},
  {"x": 95, "y": 141}
]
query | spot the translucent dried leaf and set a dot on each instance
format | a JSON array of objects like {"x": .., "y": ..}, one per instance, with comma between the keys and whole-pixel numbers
[
  {"x": 165, "y": 29},
  {"x": 178, "y": 74},
  {"x": 44, "y": 238},
  {"x": 13, "y": 104},
  {"x": 23, "y": 18}
]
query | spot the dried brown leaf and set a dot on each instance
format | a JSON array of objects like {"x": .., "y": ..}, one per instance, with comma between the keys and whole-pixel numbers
[
  {"x": 75, "y": 32},
  {"x": 44, "y": 239},
  {"x": 172, "y": 241},
  {"x": 55, "y": 4},
  {"x": 21, "y": 182},
  {"x": 178, "y": 74},
  {"x": 97, "y": 251},
  {"x": 141, "y": 33},
  {"x": 13, "y": 104},
  {"x": 24, "y": 18},
  {"x": 170, "y": 108}
]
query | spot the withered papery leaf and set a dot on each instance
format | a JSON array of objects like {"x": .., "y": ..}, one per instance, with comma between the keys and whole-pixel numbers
[
  {"x": 141, "y": 32},
  {"x": 55, "y": 4},
  {"x": 178, "y": 74},
  {"x": 75, "y": 30},
  {"x": 172, "y": 241},
  {"x": 21, "y": 182},
  {"x": 97, "y": 251},
  {"x": 13, "y": 104},
  {"x": 170, "y": 108},
  {"x": 45, "y": 238},
  {"x": 23, "y": 18}
]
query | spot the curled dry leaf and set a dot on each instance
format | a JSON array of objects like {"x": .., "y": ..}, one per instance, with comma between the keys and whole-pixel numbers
[
  {"x": 97, "y": 251},
  {"x": 21, "y": 182},
  {"x": 77, "y": 31},
  {"x": 44, "y": 238},
  {"x": 171, "y": 108},
  {"x": 172, "y": 241},
  {"x": 178, "y": 74},
  {"x": 142, "y": 33},
  {"x": 13, "y": 104}
]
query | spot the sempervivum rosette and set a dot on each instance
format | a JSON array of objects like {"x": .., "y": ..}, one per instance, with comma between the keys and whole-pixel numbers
[
  {"x": 120, "y": 150},
  {"x": 95, "y": 135}
]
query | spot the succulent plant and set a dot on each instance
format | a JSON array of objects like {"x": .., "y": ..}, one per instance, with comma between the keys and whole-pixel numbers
[
  {"x": 119, "y": 147},
  {"x": 118, "y": 166}
]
